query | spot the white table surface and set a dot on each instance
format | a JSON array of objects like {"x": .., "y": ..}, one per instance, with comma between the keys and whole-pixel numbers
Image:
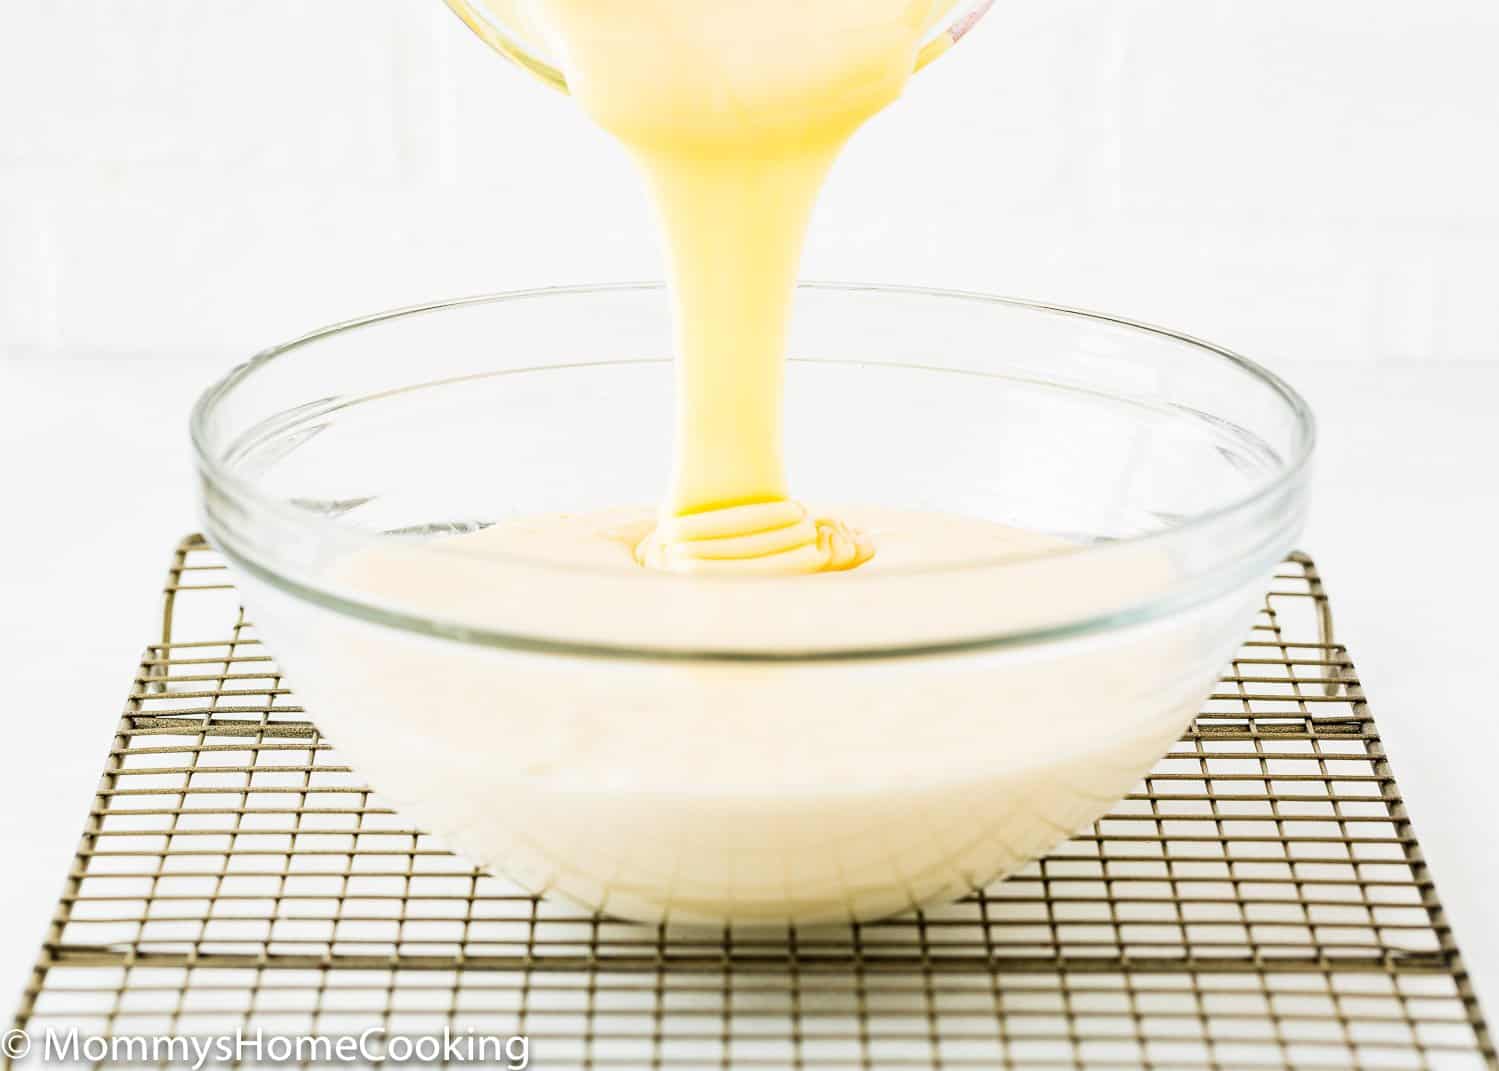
[{"x": 98, "y": 484}]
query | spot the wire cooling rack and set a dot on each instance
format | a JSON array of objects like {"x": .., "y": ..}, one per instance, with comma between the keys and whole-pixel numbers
[{"x": 1259, "y": 902}]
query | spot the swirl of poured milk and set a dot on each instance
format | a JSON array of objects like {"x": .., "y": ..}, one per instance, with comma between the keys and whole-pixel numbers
[
  {"x": 735, "y": 110},
  {"x": 766, "y": 537}
]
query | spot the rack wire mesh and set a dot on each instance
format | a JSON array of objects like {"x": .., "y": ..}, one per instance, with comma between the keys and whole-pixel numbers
[{"x": 1260, "y": 901}]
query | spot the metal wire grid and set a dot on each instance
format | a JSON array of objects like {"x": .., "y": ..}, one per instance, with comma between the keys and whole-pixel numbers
[{"x": 1259, "y": 902}]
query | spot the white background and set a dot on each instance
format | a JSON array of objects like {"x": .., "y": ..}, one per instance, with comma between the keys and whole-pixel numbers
[{"x": 1313, "y": 182}]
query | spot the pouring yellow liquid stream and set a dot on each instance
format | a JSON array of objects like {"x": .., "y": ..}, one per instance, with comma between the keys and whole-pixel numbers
[{"x": 735, "y": 110}]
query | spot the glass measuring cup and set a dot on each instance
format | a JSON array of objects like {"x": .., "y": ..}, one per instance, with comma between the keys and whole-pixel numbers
[{"x": 503, "y": 25}]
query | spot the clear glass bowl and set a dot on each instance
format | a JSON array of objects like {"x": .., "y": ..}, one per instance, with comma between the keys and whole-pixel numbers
[
  {"x": 504, "y": 25},
  {"x": 754, "y": 751}
]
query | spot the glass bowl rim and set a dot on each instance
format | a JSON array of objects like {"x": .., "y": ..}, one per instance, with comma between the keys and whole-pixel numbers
[
  {"x": 503, "y": 40},
  {"x": 217, "y": 474}
]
